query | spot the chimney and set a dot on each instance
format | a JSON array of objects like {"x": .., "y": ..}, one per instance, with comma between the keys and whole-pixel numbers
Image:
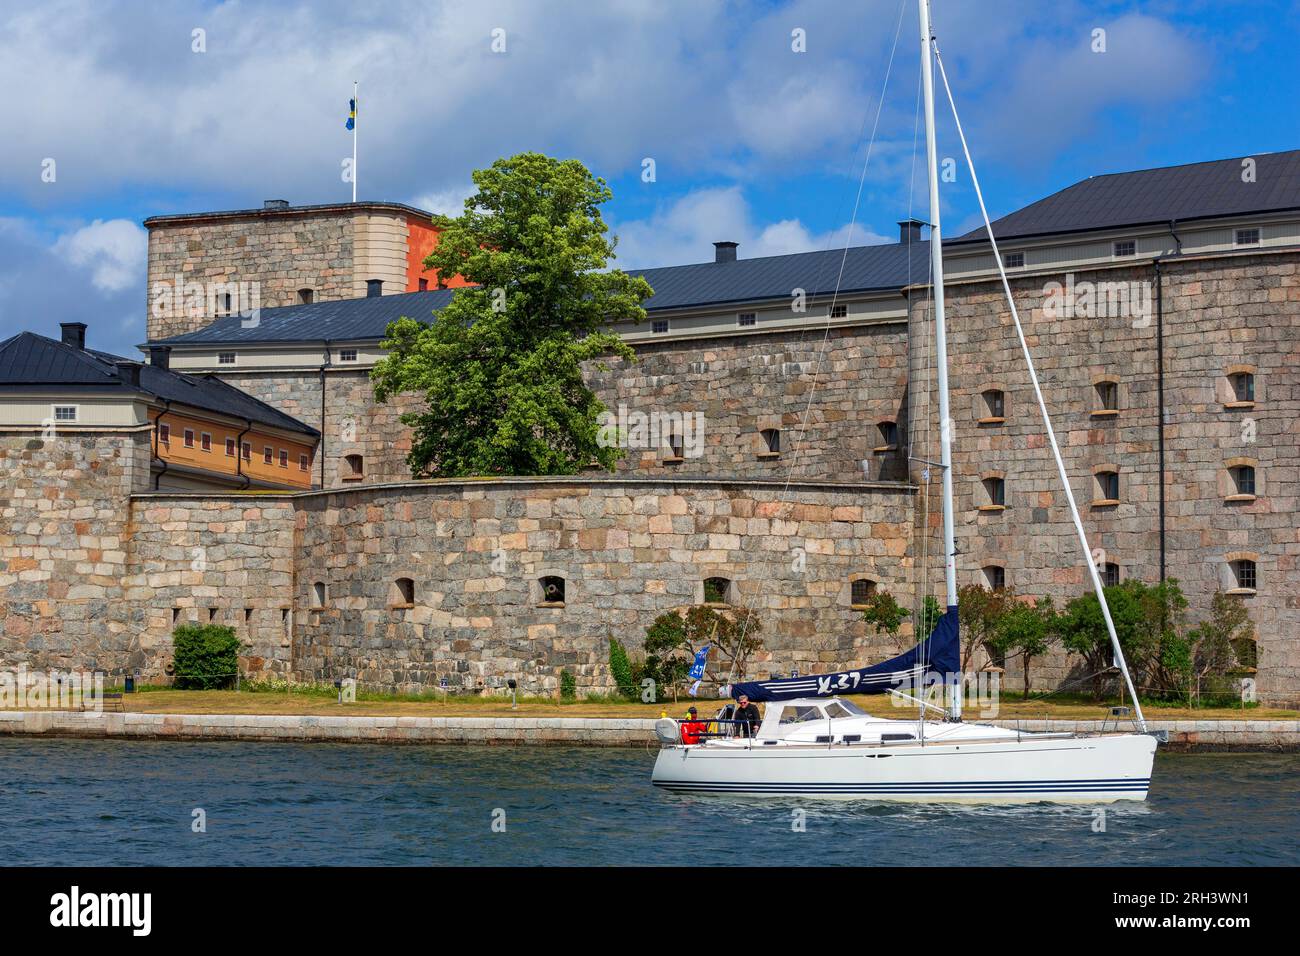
[
  {"x": 276, "y": 204},
  {"x": 160, "y": 356},
  {"x": 909, "y": 230},
  {"x": 374, "y": 287},
  {"x": 129, "y": 373},
  {"x": 74, "y": 334},
  {"x": 724, "y": 251}
]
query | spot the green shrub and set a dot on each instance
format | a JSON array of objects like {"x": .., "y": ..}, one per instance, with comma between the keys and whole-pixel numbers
[
  {"x": 620, "y": 668},
  {"x": 568, "y": 686},
  {"x": 206, "y": 656}
]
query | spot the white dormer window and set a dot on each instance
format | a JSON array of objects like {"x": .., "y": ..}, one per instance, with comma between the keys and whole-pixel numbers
[
  {"x": 1126, "y": 247},
  {"x": 65, "y": 413},
  {"x": 347, "y": 355},
  {"x": 225, "y": 358},
  {"x": 1013, "y": 260},
  {"x": 1247, "y": 237}
]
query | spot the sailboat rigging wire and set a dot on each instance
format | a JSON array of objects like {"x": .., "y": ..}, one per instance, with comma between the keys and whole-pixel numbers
[
  {"x": 848, "y": 239},
  {"x": 1042, "y": 403}
]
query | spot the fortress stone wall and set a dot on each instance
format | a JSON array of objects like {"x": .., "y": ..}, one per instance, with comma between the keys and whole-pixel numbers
[
  {"x": 1220, "y": 315},
  {"x": 474, "y": 551}
]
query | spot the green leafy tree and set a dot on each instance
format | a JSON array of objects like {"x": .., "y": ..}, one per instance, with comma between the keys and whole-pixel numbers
[
  {"x": 500, "y": 367},
  {"x": 204, "y": 656},
  {"x": 1148, "y": 622},
  {"x": 1026, "y": 631},
  {"x": 930, "y": 614},
  {"x": 668, "y": 650},
  {"x": 884, "y": 613},
  {"x": 1214, "y": 643},
  {"x": 620, "y": 668},
  {"x": 978, "y": 611}
]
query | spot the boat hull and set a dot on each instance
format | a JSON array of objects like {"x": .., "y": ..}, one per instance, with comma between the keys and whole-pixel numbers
[{"x": 1098, "y": 769}]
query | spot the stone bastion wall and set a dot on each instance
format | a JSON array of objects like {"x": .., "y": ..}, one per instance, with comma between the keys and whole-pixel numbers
[{"x": 409, "y": 584}]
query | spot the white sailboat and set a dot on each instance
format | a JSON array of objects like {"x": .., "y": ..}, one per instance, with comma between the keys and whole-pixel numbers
[{"x": 812, "y": 742}]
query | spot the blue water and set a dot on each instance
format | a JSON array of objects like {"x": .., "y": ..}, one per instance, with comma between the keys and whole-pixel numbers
[{"x": 101, "y": 802}]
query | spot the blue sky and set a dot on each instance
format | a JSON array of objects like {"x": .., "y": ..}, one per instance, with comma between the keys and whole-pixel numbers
[{"x": 751, "y": 141}]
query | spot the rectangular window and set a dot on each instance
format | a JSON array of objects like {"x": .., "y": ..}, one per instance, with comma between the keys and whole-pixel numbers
[
  {"x": 1013, "y": 260},
  {"x": 65, "y": 413},
  {"x": 303, "y": 462},
  {"x": 230, "y": 448},
  {"x": 839, "y": 311},
  {"x": 225, "y": 358},
  {"x": 424, "y": 285},
  {"x": 347, "y": 355},
  {"x": 746, "y": 319},
  {"x": 1126, "y": 248},
  {"x": 165, "y": 434},
  {"x": 189, "y": 438},
  {"x": 284, "y": 458},
  {"x": 659, "y": 326},
  {"x": 1247, "y": 237},
  {"x": 268, "y": 454},
  {"x": 246, "y": 451},
  {"x": 205, "y": 441}
]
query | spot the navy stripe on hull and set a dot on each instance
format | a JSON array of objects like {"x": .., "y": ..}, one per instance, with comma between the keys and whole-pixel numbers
[{"x": 975, "y": 787}]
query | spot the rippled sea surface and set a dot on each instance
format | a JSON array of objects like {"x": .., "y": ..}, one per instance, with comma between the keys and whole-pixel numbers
[{"x": 92, "y": 802}]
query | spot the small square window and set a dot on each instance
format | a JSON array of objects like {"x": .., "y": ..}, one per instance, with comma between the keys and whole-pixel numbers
[
  {"x": 995, "y": 401},
  {"x": 1244, "y": 571},
  {"x": 1110, "y": 575},
  {"x": 1243, "y": 387},
  {"x": 862, "y": 590},
  {"x": 1107, "y": 396},
  {"x": 189, "y": 438},
  {"x": 746, "y": 319},
  {"x": 1127, "y": 247},
  {"x": 424, "y": 285},
  {"x": 65, "y": 413},
  {"x": 1013, "y": 260},
  {"x": 230, "y": 448},
  {"x": 995, "y": 577},
  {"x": 659, "y": 326},
  {"x": 839, "y": 311},
  {"x": 1247, "y": 237},
  {"x": 347, "y": 355},
  {"x": 225, "y": 358}
]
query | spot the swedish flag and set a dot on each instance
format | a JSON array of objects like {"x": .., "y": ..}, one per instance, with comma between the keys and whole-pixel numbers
[{"x": 352, "y": 114}]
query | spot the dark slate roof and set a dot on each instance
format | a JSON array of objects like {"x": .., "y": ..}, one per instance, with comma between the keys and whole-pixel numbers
[
  {"x": 866, "y": 268},
  {"x": 1149, "y": 196},
  {"x": 343, "y": 320},
  {"x": 28, "y": 360}
]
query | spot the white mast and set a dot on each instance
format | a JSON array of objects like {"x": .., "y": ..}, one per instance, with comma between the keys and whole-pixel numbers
[
  {"x": 940, "y": 338},
  {"x": 354, "y": 140}
]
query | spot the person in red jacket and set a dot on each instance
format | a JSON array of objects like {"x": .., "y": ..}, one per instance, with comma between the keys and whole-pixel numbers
[{"x": 691, "y": 727}]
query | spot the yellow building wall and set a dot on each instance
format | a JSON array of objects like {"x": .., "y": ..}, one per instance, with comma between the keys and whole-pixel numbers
[{"x": 215, "y": 459}]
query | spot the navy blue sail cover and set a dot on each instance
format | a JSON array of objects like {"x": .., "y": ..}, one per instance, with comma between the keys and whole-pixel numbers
[{"x": 938, "y": 654}]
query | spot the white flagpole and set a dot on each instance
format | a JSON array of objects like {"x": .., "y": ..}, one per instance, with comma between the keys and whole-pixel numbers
[{"x": 355, "y": 120}]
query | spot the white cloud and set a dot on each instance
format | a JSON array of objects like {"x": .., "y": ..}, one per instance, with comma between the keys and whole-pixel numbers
[
  {"x": 684, "y": 231},
  {"x": 446, "y": 202},
  {"x": 114, "y": 251}
]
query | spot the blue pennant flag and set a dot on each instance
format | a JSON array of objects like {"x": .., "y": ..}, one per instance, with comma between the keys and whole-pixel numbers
[
  {"x": 352, "y": 114},
  {"x": 697, "y": 669}
]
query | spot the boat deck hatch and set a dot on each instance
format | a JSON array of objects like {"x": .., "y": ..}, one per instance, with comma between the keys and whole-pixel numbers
[{"x": 886, "y": 738}]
